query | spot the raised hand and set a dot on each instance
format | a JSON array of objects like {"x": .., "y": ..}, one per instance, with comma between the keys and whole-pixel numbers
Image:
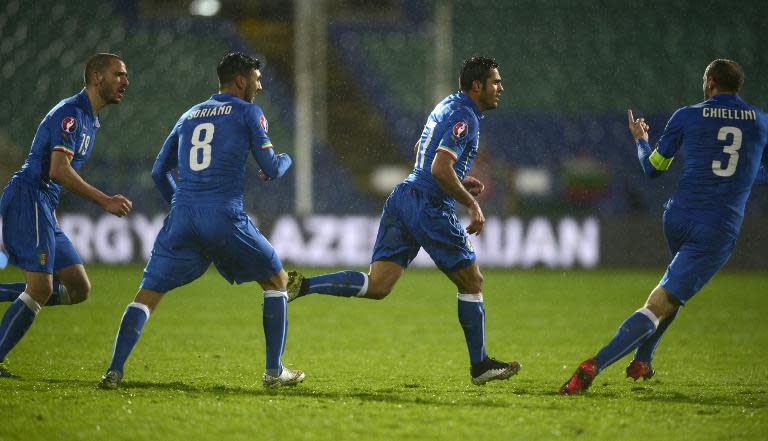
[{"x": 637, "y": 127}]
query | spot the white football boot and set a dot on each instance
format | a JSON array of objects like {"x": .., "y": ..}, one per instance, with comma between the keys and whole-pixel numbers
[{"x": 286, "y": 378}]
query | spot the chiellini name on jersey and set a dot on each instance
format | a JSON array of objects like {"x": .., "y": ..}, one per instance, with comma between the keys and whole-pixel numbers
[{"x": 716, "y": 112}]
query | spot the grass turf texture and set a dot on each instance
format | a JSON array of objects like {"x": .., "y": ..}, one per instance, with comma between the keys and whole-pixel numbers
[{"x": 394, "y": 369}]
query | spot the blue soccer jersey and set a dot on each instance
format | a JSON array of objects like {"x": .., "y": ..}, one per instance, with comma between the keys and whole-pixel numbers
[
  {"x": 419, "y": 214},
  {"x": 723, "y": 139},
  {"x": 69, "y": 127},
  {"x": 452, "y": 127},
  {"x": 209, "y": 146},
  {"x": 31, "y": 235},
  {"x": 724, "y": 142}
]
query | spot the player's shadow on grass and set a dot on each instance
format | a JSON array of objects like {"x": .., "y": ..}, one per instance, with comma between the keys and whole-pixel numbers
[
  {"x": 401, "y": 394},
  {"x": 753, "y": 398},
  {"x": 487, "y": 396},
  {"x": 396, "y": 394}
]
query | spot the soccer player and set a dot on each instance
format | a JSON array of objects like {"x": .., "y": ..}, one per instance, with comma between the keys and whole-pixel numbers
[
  {"x": 208, "y": 147},
  {"x": 724, "y": 139},
  {"x": 53, "y": 271},
  {"x": 421, "y": 212}
]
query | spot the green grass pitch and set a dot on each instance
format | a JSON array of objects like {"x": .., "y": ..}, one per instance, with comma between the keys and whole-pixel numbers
[{"x": 393, "y": 369}]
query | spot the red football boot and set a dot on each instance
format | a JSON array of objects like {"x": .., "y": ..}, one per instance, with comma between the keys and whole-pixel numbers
[
  {"x": 639, "y": 369},
  {"x": 581, "y": 379}
]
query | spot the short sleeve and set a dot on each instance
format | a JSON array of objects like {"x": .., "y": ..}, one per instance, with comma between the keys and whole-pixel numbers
[
  {"x": 64, "y": 127},
  {"x": 459, "y": 130},
  {"x": 258, "y": 127}
]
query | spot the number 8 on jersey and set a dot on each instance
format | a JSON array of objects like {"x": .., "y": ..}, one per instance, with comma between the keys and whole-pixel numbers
[{"x": 201, "y": 147}]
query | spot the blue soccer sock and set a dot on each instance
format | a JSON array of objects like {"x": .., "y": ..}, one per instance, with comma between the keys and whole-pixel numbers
[
  {"x": 647, "y": 348},
  {"x": 11, "y": 291},
  {"x": 16, "y": 321},
  {"x": 638, "y": 327},
  {"x": 342, "y": 283},
  {"x": 472, "y": 320},
  {"x": 275, "y": 321},
  {"x": 136, "y": 314}
]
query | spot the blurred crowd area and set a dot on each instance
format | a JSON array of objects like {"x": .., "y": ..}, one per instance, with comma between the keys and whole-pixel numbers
[{"x": 558, "y": 144}]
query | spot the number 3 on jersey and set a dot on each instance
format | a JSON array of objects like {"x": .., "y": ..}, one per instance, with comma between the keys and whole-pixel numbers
[
  {"x": 200, "y": 153},
  {"x": 732, "y": 149}
]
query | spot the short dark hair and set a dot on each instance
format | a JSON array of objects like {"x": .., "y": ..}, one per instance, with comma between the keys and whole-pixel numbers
[
  {"x": 727, "y": 74},
  {"x": 476, "y": 69},
  {"x": 98, "y": 63},
  {"x": 235, "y": 63}
]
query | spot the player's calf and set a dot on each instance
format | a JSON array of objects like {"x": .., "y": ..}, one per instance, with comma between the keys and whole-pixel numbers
[{"x": 377, "y": 293}]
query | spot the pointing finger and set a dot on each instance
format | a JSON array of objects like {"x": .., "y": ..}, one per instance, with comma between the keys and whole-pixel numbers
[{"x": 630, "y": 116}]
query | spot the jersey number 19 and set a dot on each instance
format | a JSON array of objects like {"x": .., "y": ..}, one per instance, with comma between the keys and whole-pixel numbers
[{"x": 200, "y": 153}]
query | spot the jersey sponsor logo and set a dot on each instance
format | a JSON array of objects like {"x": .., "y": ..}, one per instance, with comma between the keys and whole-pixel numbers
[
  {"x": 460, "y": 129},
  {"x": 69, "y": 124},
  {"x": 264, "y": 123}
]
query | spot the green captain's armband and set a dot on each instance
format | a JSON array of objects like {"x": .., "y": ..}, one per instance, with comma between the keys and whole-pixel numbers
[{"x": 658, "y": 161}]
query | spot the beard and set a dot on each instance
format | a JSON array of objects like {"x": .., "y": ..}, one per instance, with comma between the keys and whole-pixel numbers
[
  {"x": 250, "y": 93},
  {"x": 108, "y": 94}
]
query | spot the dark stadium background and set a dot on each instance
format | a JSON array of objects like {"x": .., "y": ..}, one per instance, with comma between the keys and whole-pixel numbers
[{"x": 557, "y": 148}]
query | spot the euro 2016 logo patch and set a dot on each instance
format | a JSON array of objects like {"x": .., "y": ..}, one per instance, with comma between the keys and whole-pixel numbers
[
  {"x": 460, "y": 130},
  {"x": 264, "y": 123},
  {"x": 69, "y": 124}
]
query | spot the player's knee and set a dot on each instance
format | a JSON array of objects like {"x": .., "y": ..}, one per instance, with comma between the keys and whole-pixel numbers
[
  {"x": 79, "y": 292},
  {"x": 277, "y": 282},
  {"x": 281, "y": 280},
  {"x": 661, "y": 303},
  {"x": 472, "y": 285}
]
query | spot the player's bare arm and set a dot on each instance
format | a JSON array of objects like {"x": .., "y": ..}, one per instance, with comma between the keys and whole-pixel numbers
[
  {"x": 64, "y": 174},
  {"x": 442, "y": 170},
  {"x": 638, "y": 127}
]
